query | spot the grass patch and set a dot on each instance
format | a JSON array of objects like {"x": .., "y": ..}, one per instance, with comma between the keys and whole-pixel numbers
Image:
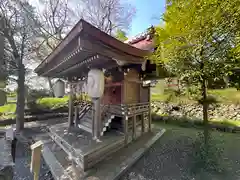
[
  {"x": 228, "y": 96},
  {"x": 8, "y": 108},
  {"x": 52, "y": 103},
  {"x": 225, "y": 96},
  {"x": 170, "y": 97},
  {"x": 225, "y": 122},
  {"x": 221, "y": 125},
  {"x": 7, "y": 111}
]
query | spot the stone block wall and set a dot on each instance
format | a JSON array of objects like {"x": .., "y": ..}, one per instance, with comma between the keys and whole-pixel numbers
[{"x": 216, "y": 111}]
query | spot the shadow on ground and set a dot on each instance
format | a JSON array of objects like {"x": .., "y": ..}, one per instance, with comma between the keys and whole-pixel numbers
[{"x": 171, "y": 158}]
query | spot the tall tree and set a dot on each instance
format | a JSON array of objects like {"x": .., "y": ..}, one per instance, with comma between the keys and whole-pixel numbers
[
  {"x": 197, "y": 41},
  {"x": 121, "y": 35},
  {"x": 55, "y": 19},
  {"x": 107, "y": 15},
  {"x": 18, "y": 30}
]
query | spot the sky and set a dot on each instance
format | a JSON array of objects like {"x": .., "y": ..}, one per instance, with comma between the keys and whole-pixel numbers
[{"x": 148, "y": 12}]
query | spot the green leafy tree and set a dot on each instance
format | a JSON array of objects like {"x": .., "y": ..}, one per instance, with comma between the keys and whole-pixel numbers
[
  {"x": 121, "y": 35},
  {"x": 199, "y": 41}
]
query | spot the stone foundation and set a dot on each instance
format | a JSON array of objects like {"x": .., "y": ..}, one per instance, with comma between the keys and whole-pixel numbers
[{"x": 216, "y": 111}]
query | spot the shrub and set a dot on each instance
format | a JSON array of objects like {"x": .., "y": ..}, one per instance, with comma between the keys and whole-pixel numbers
[
  {"x": 206, "y": 157},
  {"x": 12, "y": 94},
  {"x": 36, "y": 94},
  {"x": 32, "y": 97}
]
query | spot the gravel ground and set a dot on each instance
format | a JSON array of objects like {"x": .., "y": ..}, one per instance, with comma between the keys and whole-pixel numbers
[
  {"x": 169, "y": 158},
  {"x": 22, "y": 165},
  {"x": 165, "y": 161},
  {"x": 23, "y": 153}
]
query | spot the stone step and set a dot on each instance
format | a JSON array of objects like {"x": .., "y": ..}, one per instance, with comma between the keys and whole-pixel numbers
[
  {"x": 59, "y": 164},
  {"x": 85, "y": 128},
  {"x": 88, "y": 115},
  {"x": 54, "y": 165},
  {"x": 86, "y": 123},
  {"x": 88, "y": 119}
]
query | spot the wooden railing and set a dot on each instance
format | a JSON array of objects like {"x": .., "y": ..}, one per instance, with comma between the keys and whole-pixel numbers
[
  {"x": 128, "y": 109},
  {"x": 138, "y": 108}
]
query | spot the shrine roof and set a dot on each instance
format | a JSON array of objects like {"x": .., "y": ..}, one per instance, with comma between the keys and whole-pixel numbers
[
  {"x": 143, "y": 40},
  {"x": 85, "y": 42}
]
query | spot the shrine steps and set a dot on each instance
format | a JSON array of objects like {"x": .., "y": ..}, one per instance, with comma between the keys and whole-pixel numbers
[
  {"x": 86, "y": 120},
  {"x": 84, "y": 109},
  {"x": 106, "y": 121}
]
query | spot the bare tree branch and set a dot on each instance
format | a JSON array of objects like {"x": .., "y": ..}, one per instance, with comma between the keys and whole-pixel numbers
[{"x": 107, "y": 15}]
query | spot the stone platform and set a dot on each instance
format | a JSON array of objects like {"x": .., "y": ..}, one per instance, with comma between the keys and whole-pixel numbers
[
  {"x": 79, "y": 145},
  {"x": 119, "y": 162},
  {"x": 64, "y": 167},
  {"x": 110, "y": 166}
]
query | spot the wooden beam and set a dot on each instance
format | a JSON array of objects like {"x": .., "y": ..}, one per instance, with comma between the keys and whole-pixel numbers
[
  {"x": 70, "y": 107},
  {"x": 125, "y": 119},
  {"x": 79, "y": 65},
  {"x": 76, "y": 118},
  {"x": 110, "y": 52},
  {"x": 95, "y": 60},
  {"x": 97, "y": 119},
  {"x": 150, "y": 111},
  {"x": 63, "y": 61},
  {"x": 142, "y": 123},
  {"x": 134, "y": 80},
  {"x": 68, "y": 39}
]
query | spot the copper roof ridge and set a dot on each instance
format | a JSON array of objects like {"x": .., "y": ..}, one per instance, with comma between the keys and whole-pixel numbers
[{"x": 138, "y": 37}]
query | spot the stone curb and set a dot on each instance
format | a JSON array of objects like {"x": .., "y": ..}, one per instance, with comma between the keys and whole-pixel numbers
[
  {"x": 33, "y": 118},
  {"x": 127, "y": 164}
]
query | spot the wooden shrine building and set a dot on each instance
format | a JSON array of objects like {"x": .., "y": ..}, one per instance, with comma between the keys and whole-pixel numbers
[{"x": 122, "y": 113}]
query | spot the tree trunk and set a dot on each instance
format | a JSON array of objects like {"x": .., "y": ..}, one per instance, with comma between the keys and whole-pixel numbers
[
  {"x": 50, "y": 87},
  {"x": 205, "y": 111},
  {"x": 20, "y": 98}
]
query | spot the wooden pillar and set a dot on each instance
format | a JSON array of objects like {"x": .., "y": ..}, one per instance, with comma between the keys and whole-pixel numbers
[
  {"x": 125, "y": 119},
  {"x": 70, "y": 107},
  {"x": 96, "y": 119},
  {"x": 142, "y": 123},
  {"x": 125, "y": 122},
  {"x": 150, "y": 110},
  {"x": 76, "y": 115},
  {"x": 134, "y": 126}
]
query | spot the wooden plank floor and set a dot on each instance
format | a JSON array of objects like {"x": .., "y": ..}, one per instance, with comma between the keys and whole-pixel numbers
[{"x": 81, "y": 141}]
